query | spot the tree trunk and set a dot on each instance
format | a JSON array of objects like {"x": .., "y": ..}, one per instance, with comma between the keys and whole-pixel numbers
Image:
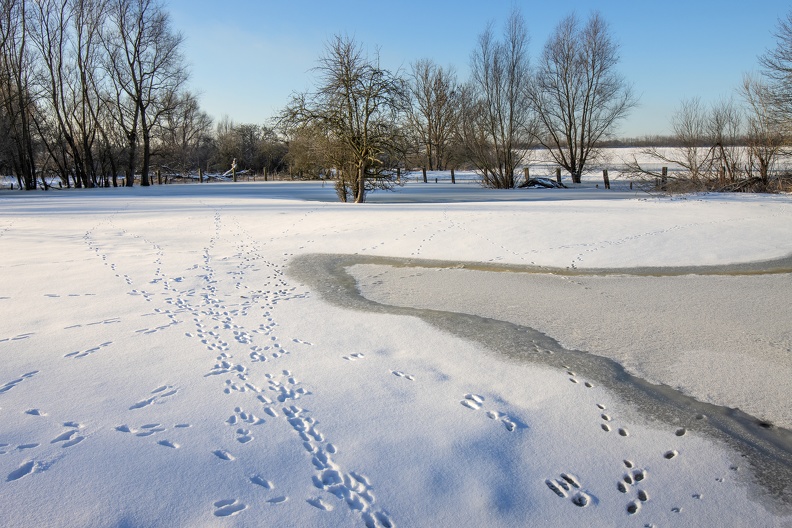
[
  {"x": 360, "y": 197},
  {"x": 144, "y": 170},
  {"x": 130, "y": 170}
]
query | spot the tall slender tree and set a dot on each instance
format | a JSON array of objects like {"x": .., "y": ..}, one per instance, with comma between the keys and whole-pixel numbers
[
  {"x": 434, "y": 110},
  {"x": 16, "y": 90},
  {"x": 146, "y": 67},
  {"x": 496, "y": 124}
]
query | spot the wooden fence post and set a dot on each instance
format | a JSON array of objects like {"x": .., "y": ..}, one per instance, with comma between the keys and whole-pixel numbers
[
  {"x": 605, "y": 178},
  {"x": 526, "y": 174},
  {"x": 200, "y": 175},
  {"x": 558, "y": 175},
  {"x": 453, "y": 178},
  {"x": 423, "y": 169},
  {"x": 159, "y": 177},
  {"x": 664, "y": 178},
  {"x": 398, "y": 175}
]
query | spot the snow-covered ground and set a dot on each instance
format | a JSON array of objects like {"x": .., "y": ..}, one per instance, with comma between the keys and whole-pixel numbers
[{"x": 177, "y": 356}]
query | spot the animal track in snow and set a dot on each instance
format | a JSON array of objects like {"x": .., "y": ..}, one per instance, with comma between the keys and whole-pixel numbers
[
  {"x": 568, "y": 485},
  {"x": 400, "y": 374},
  {"x": 574, "y": 379},
  {"x": 19, "y": 337},
  {"x": 228, "y": 507},
  {"x": 160, "y": 395},
  {"x": 25, "y": 469},
  {"x": 473, "y": 401},
  {"x": 260, "y": 481},
  {"x": 318, "y": 503},
  {"x": 633, "y": 477},
  {"x": 13, "y": 383},
  {"x": 353, "y": 357},
  {"x": 240, "y": 416},
  {"x": 476, "y": 402},
  {"x": 69, "y": 438},
  {"x": 243, "y": 436},
  {"x": 103, "y": 322},
  {"x": 286, "y": 387},
  {"x": 223, "y": 455},
  {"x": 81, "y": 354},
  {"x": 350, "y": 487}
]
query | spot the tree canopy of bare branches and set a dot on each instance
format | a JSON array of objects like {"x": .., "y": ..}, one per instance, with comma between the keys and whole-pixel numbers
[
  {"x": 776, "y": 66},
  {"x": 765, "y": 134},
  {"x": 17, "y": 101},
  {"x": 496, "y": 125},
  {"x": 433, "y": 110},
  {"x": 577, "y": 93},
  {"x": 146, "y": 66},
  {"x": 358, "y": 106}
]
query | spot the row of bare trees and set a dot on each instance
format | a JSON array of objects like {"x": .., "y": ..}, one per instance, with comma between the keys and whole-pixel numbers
[
  {"x": 363, "y": 122},
  {"x": 90, "y": 89}
]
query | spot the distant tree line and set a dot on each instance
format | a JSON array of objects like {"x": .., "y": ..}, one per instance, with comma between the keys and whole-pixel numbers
[{"x": 93, "y": 93}]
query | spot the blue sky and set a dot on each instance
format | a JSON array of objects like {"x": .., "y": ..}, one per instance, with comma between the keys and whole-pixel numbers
[{"x": 247, "y": 57}]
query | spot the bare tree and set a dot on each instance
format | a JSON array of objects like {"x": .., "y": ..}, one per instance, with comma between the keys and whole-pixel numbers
[
  {"x": 146, "y": 66},
  {"x": 765, "y": 127},
  {"x": 16, "y": 90},
  {"x": 777, "y": 69},
  {"x": 65, "y": 34},
  {"x": 725, "y": 134},
  {"x": 434, "y": 110},
  {"x": 496, "y": 123},
  {"x": 359, "y": 107},
  {"x": 183, "y": 135},
  {"x": 577, "y": 93},
  {"x": 693, "y": 153}
]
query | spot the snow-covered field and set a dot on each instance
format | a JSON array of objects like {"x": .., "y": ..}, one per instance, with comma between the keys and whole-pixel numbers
[{"x": 195, "y": 355}]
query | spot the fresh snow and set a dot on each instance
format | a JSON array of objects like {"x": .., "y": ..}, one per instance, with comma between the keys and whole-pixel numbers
[{"x": 165, "y": 364}]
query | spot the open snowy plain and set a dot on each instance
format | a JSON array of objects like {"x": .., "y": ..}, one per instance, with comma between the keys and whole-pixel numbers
[{"x": 261, "y": 355}]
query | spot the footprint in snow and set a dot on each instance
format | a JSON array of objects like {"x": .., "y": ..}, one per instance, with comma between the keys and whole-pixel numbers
[
  {"x": 228, "y": 507},
  {"x": 25, "y": 469},
  {"x": 223, "y": 455},
  {"x": 259, "y": 481},
  {"x": 568, "y": 485},
  {"x": 473, "y": 401},
  {"x": 318, "y": 503}
]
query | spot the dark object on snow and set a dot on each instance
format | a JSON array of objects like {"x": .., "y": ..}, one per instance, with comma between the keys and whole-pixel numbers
[{"x": 544, "y": 183}]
